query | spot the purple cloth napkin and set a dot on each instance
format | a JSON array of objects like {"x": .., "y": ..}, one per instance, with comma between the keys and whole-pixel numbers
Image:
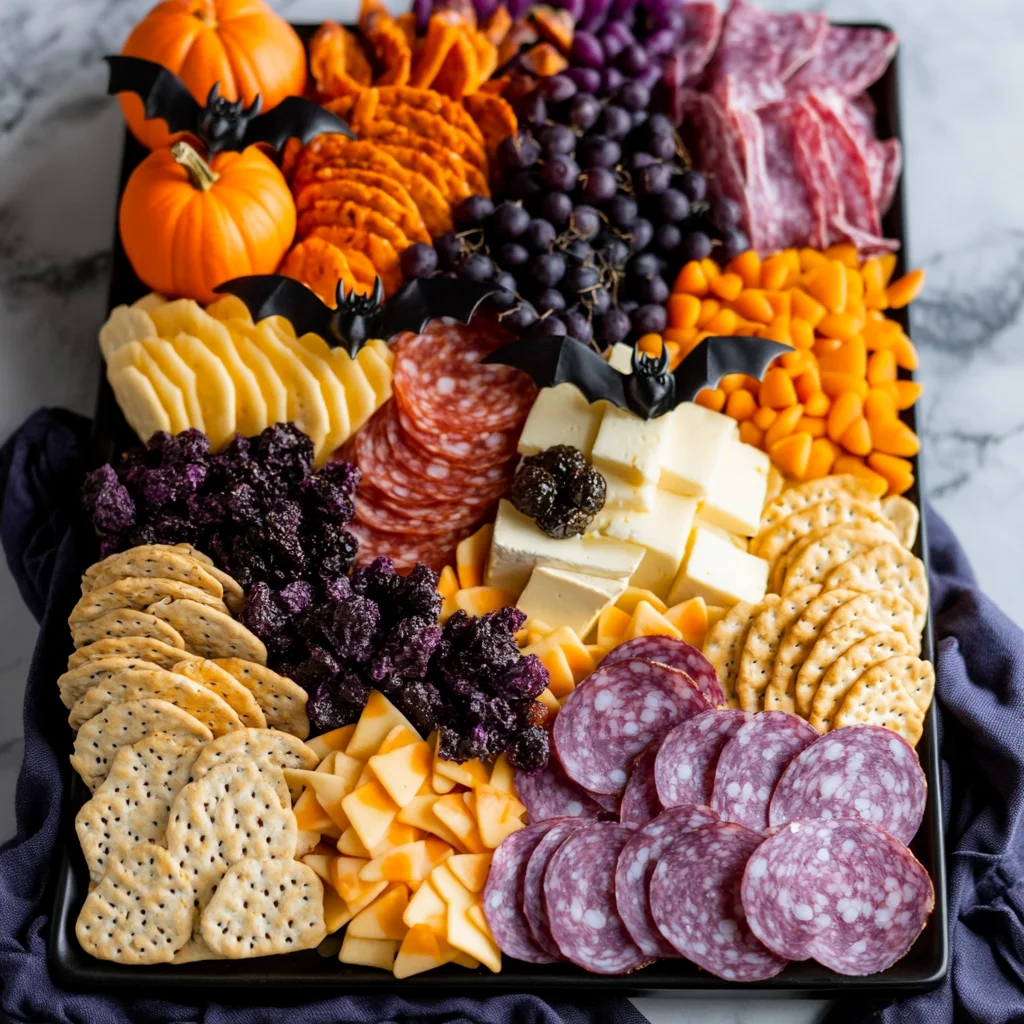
[{"x": 47, "y": 546}]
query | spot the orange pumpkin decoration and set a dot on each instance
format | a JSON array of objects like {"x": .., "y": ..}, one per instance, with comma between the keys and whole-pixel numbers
[
  {"x": 242, "y": 44},
  {"x": 188, "y": 226}
]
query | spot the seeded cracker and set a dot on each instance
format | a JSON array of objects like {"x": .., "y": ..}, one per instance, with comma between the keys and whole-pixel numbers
[
  {"x": 282, "y": 700},
  {"x": 120, "y": 725},
  {"x": 886, "y": 567},
  {"x": 77, "y": 681},
  {"x": 209, "y": 632},
  {"x": 145, "y": 563},
  {"x": 118, "y": 919},
  {"x": 97, "y": 568},
  {"x": 141, "y": 648},
  {"x": 905, "y": 518},
  {"x": 110, "y": 824},
  {"x": 209, "y": 674},
  {"x": 829, "y": 648},
  {"x": 724, "y": 645},
  {"x": 824, "y": 489},
  {"x": 136, "y": 593},
  {"x": 880, "y": 697},
  {"x": 797, "y": 643},
  {"x": 883, "y": 606},
  {"x": 836, "y": 682},
  {"x": 258, "y": 746},
  {"x": 811, "y": 560},
  {"x": 124, "y": 623},
  {"x": 154, "y": 768},
  {"x": 264, "y": 907},
  {"x": 762, "y": 644}
]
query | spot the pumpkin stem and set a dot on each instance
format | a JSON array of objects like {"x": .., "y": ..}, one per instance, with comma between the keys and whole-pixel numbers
[
  {"x": 205, "y": 11},
  {"x": 200, "y": 173}
]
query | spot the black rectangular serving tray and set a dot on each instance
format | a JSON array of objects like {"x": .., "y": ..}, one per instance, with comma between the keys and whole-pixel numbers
[{"x": 298, "y": 976}]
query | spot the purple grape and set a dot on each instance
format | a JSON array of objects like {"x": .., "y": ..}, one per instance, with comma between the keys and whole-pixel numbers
[
  {"x": 634, "y": 96},
  {"x": 638, "y": 160},
  {"x": 642, "y": 233},
  {"x": 622, "y": 212},
  {"x": 587, "y": 50},
  {"x": 694, "y": 186},
  {"x": 667, "y": 238},
  {"x": 650, "y": 320},
  {"x": 734, "y": 242},
  {"x": 512, "y": 255},
  {"x": 659, "y": 124},
  {"x": 725, "y": 213},
  {"x": 579, "y": 279},
  {"x": 637, "y": 118},
  {"x": 617, "y": 36},
  {"x": 560, "y": 172},
  {"x": 616, "y": 252},
  {"x": 599, "y": 151},
  {"x": 588, "y": 80},
  {"x": 585, "y": 222},
  {"x": 649, "y": 289},
  {"x": 476, "y": 267},
  {"x": 520, "y": 318},
  {"x": 659, "y": 42},
  {"x": 632, "y": 62},
  {"x": 615, "y": 122},
  {"x": 531, "y": 108},
  {"x": 539, "y": 236},
  {"x": 579, "y": 251},
  {"x": 448, "y": 249},
  {"x": 652, "y": 180},
  {"x": 508, "y": 222},
  {"x": 419, "y": 260},
  {"x": 695, "y": 246},
  {"x": 611, "y": 81},
  {"x": 506, "y": 280},
  {"x": 662, "y": 146},
  {"x": 599, "y": 185},
  {"x": 518, "y": 152},
  {"x": 548, "y": 327},
  {"x": 556, "y": 140},
  {"x": 557, "y": 88},
  {"x": 524, "y": 185},
  {"x": 472, "y": 212},
  {"x": 599, "y": 300},
  {"x": 671, "y": 18},
  {"x": 673, "y": 206},
  {"x": 611, "y": 327},
  {"x": 555, "y": 207},
  {"x": 650, "y": 75},
  {"x": 549, "y": 299},
  {"x": 584, "y": 111},
  {"x": 574, "y": 8},
  {"x": 578, "y": 325},
  {"x": 548, "y": 269},
  {"x": 628, "y": 306},
  {"x": 644, "y": 264}
]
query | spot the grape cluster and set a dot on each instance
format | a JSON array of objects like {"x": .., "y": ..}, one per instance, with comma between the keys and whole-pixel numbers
[{"x": 600, "y": 213}]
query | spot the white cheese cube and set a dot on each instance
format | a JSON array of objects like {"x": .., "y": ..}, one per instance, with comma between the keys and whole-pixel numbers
[
  {"x": 663, "y": 533},
  {"x": 622, "y": 496},
  {"x": 518, "y": 546},
  {"x": 697, "y": 439},
  {"x": 630, "y": 446},
  {"x": 621, "y": 357},
  {"x": 735, "y": 498},
  {"x": 573, "y": 599},
  {"x": 561, "y": 415},
  {"x": 733, "y": 538},
  {"x": 719, "y": 572}
]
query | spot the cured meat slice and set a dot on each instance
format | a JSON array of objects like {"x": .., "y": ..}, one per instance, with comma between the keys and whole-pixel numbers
[
  {"x": 695, "y": 901},
  {"x": 676, "y": 654},
  {"x": 435, "y": 552},
  {"x": 503, "y": 895},
  {"x": 859, "y": 771},
  {"x": 636, "y": 865},
  {"x": 615, "y": 713},
  {"x": 796, "y": 219},
  {"x": 640, "y": 801},
  {"x": 533, "y": 882},
  {"x": 702, "y": 27},
  {"x": 579, "y": 894},
  {"x": 482, "y": 450},
  {"x": 684, "y": 770},
  {"x": 550, "y": 793},
  {"x": 892, "y": 165},
  {"x": 842, "y": 892},
  {"x": 849, "y": 60},
  {"x": 752, "y": 762},
  {"x": 608, "y": 802}
]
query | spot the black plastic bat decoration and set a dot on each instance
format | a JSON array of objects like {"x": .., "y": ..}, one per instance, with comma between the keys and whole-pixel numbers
[
  {"x": 650, "y": 390},
  {"x": 220, "y": 124},
  {"x": 358, "y": 318}
]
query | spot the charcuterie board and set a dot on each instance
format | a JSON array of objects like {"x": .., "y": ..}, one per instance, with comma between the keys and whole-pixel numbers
[{"x": 281, "y": 977}]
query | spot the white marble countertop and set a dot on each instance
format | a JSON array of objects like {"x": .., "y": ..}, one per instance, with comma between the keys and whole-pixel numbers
[{"x": 962, "y": 75}]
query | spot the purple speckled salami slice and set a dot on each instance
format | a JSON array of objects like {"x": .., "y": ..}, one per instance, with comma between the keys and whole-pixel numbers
[
  {"x": 676, "y": 654},
  {"x": 752, "y": 762},
  {"x": 533, "y": 881},
  {"x": 636, "y": 865},
  {"x": 615, "y": 713},
  {"x": 550, "y": 793},
  {"x": 503, "y": 895},
  {"x": 684, "y": 770},
  {"x": 848, "y": 60},
  {"x": 859, "y": 771},
  {"x": 695, "y": 901},
  {"x": 702, "y": 25},
  {"x": 640, "y": 801},
  {"x": 841, "y": 892},
  {"x": 579, "y": 893}
]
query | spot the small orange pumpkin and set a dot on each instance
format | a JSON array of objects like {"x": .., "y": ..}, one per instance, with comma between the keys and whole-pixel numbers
[
  {"x": 188, "y": 225},
  {"x": 243, "y": 44}
]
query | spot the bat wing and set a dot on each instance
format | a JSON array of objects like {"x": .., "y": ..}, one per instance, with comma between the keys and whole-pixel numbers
[
  {"x": 424, "y": 299},
  {"x": 274, "y": 295},
  {"x": 551, "y": 361},
  {"x": 162, "y": 92},
  {"x": 713, "y": 358},
  {"x": 294, "y": 118}
]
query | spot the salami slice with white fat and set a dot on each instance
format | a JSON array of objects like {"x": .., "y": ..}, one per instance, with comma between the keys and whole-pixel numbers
[
  {"x": 503, "y": 895},
  {"x": 676, "y": 654},
  {"x": 841, "y": 892},
  {"x": 636, "y": 865},
  {"x": 534, "y": 907},
  {"x": 579, "y": 893},
  {"x": 695, "y": 901},
  {"x": 684, "y": 770},
  {"x": 550, "y": 793},
  {"x": 615, "y": 713},
  {"x": 859, "y": 771},
  {"x": 752, "y": 762},
  {"x": 640, "y": 803}
]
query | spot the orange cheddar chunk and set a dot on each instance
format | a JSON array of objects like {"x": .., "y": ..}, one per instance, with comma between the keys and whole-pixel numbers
[
  {"x": 382, "y": 919},
  {"x": 448, "y": 582},
  {"x": 470, "y": 869},
  {"x": 451, "y": 810},
  {"x": 498, "y": 815},
  {"x": 336, "y": 739},
  {"x": 612, "y": 624}
]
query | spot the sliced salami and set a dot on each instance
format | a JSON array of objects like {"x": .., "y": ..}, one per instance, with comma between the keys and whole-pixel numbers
[
  {"x": 550, "y": 793},
  {"x": 435, "y": 552},
  {"x": 859, "y": 771},
  {"x": 608, "y": 802},
  {"x": 615, "y": 713},
  {"x": 684, "y": 770},
  {"x": 841, "y": 892},
  {"x": 503, "y": 895},
  {"x": 849, "y": 60},
  {"x": 676, "y": 654},
  {"x": 533, "y": 882},
  {"x": 695, "y": 901},
  {"x": 701, "y": 28},
  {"x": 579, "y": 893},
  {"x": 636, "y": 865},
  {"x": 640, "y": 801},
  {"x": 477, "y": 449},
  {"x": 752, "y": 762}
]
